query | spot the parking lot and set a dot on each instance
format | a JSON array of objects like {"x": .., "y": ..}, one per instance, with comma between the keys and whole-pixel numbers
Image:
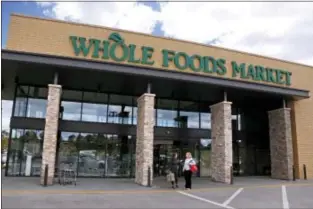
[{"x": 245, "y": 193}]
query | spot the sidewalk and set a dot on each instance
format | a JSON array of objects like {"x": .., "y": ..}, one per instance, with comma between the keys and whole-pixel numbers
[{"x": 111, "y": 184}]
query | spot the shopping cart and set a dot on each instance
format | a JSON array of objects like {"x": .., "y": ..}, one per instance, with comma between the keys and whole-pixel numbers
[{"x": 67, "y": 174}]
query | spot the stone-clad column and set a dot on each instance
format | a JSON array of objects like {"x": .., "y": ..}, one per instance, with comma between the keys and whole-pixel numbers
[
  {"x": 281, "y": 143},
  {"x": 144, "y": 140},
  {"x": 51, "y": 132},
  {"x": 222, "y": 149}
]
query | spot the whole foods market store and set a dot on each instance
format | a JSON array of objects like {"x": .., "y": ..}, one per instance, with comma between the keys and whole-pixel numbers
[{"x": 111, "y": 109}]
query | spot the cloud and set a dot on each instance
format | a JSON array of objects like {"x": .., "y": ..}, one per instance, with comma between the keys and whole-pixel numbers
[
  {"x": 132, "y": 16},
  {"x": 278, "y": 29}
]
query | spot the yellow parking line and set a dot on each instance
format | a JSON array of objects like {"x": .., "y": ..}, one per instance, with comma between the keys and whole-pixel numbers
[{"x": 143, "y": 191}]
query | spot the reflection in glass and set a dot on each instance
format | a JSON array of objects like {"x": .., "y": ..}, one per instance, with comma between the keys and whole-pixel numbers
[
  {"x": 205, "y": 116},
  {"x": 36, "y": 108},
  {"x": 30, "y": 102},
  {"x": 167, "y": 113},
  {"x": 25, "y": 152},
  {"x": 20, "y": 107},
  {"x": 71, "y": 110},
  {"x": 205, "y": 120},
  {"x": 94, "y": 112},
  {"x": 188, "y": 115},
  {"x": 97, "y": 155},
  {"x": 120, "y": 109},
  {"x": 135, "y": 112}
]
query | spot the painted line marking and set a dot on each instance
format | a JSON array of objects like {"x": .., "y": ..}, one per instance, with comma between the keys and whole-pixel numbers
[
  {"x": 232, "y": 197},
  {"x": 284, "y": 196},
  {"x": 81, "y": 191},
  {"x": 204, "y": 200}
]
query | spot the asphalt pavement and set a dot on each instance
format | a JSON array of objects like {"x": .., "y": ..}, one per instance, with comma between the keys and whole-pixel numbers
[{"x": 119, "y": 193}]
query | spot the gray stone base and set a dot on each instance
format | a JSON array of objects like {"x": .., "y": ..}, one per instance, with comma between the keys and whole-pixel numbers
[
  {"x": 281, "y": 143},
  {"x": 144, "y": 141},
  {"x": 222, "y": 151}
]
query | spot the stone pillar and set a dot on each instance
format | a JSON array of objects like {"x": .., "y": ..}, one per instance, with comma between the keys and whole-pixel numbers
[
  {"x": 51, "y": 132},
  {"x": 222, "y": 149},
  {"x": 280, "y": 143},
  {"x": 144, "y": 140}
]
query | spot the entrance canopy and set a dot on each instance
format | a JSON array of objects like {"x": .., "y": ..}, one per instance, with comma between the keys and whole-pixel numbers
[{"x": 27, "y": 68}]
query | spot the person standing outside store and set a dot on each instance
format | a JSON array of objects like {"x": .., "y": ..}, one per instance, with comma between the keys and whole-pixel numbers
[
  {"x": 175, "y": 169},
  {"x": 187, "y": 170}
]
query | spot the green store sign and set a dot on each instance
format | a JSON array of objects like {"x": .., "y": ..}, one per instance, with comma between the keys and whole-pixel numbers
[{"x": 117, "y": 50}]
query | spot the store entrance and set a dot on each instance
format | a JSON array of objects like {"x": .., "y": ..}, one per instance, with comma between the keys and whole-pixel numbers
[{"x": 163, "y": 151}]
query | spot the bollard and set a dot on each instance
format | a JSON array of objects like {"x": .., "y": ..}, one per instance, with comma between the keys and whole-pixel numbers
[
  {"x": 45, "y": 180},
  {"x": 149, "y": 176},
  {"x": 231, "y": 175},
  {"x": 304, "y": 172},
  {"x": 293, "y": 173}
]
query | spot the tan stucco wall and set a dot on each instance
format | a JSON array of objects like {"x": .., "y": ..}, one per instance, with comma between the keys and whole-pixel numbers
[{"x": 51, "y": 37}]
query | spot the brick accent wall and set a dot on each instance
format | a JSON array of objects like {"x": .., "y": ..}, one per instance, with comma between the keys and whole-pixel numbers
[
  {"x": 51, "y": 132},
  {"x": 281, "y": 143},
  {"x": 144, "y": 141},
  {"x": 222, "y": 150}
]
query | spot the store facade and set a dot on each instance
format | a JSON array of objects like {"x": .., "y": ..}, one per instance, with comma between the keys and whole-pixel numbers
[{"x": 114, "y": 103}]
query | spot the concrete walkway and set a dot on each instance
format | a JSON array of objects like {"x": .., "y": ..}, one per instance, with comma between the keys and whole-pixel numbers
[
  {"x": 246, "y": 192},
  {"x": 19, "y": 184}
]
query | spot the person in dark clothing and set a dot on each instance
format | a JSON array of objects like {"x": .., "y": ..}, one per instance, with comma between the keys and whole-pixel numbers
[{"x": 175, "y": 169}]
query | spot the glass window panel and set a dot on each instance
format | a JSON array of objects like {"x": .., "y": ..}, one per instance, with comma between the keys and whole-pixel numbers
[
  {"x": 135, "y": 112},
  {"x": 94, "y": 112},
  {"x": 68, "y": 151},
  {"x": 22, "y": 91},
  {"x": 70, "y": 95},
  {"x": 95, "y": 97},
  {"x": 25, "y": 152},
  {"x": 120, "y": 109},
  {"x": 20, "y": 107},
  {"x": 71, "y": 110},
  {"x": 36, "y": 108},
  {"x": 188, "y": 115},
  {"x": 205, "y": 120},
  {"x": 205, "y": 116},
  {"x": 37, "y": 92},
  {"x": 167, "y": 113}
]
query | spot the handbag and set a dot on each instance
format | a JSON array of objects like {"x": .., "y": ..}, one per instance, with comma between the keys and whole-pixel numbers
[
  {"x": 193, "y": 168},
  {"x": 170, "y": 177}
]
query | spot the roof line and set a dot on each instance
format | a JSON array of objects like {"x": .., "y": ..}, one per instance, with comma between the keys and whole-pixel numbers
[
  {"x": 142, "y": 71},
  {"x": 161, "y": 37}
]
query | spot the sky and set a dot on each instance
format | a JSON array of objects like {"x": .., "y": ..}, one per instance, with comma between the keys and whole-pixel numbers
[{"x": 281, "y": 30}]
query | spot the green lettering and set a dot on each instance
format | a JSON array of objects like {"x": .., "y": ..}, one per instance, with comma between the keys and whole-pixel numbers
[
  {"x": 146, "y": 55},
  {"x": 192, "y": 63},
  {"x": 269, "y": 75},
  {"x": 96, "y": 47},
  {"x": 132, "y": 51},
  {"x": 186, "y": 60},
  {"x": 238, "y": 69},
  {"x": 221, "y": 68},
  {"x": 82, "y": 45},
  {"x": 279, "y": 77},
  {"x": 288, "y": 78},
  {"x": 166, "y": 58},
  {"x": 106, "y": 45},
  {"x": 207, "y": 62},
  {"x": 113, "y": 52},
  {"x": 259, "y": 73},
  {"x": 251, "y": 72}
]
